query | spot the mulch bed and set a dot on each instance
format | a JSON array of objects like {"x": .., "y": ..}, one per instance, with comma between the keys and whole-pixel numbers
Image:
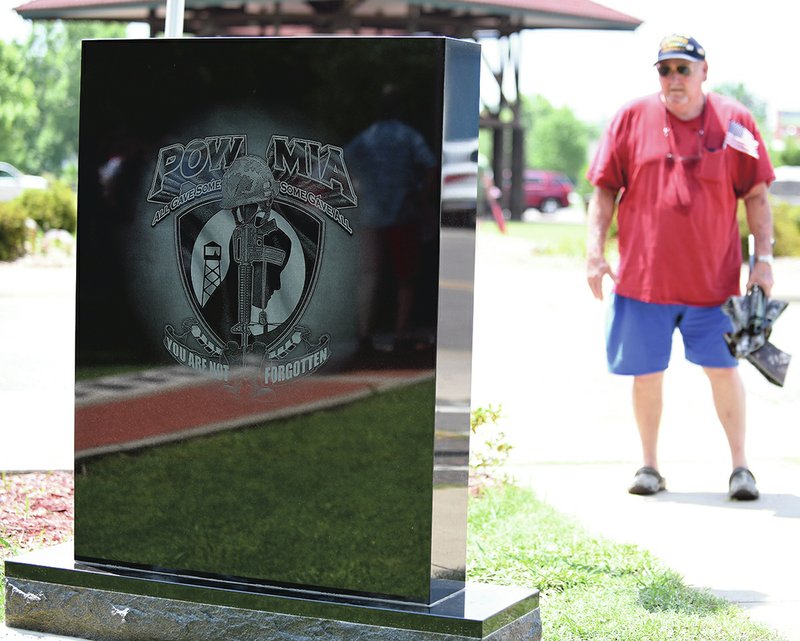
[{"x": 36, "y": 510}]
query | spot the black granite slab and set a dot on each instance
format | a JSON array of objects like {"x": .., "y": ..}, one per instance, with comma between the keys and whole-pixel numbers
[{"x": 274, "y": 319}]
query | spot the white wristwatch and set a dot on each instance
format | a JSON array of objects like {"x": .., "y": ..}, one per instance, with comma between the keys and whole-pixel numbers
[{"x": 764, "y": 258}]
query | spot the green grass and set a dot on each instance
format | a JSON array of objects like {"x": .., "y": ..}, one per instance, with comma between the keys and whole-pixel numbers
[
  {"x": 551, "y": 239},
  {"x": 592, "y": 588},
  {"x": 228, "y": 503},
  {"x": 98, "y": 371}
]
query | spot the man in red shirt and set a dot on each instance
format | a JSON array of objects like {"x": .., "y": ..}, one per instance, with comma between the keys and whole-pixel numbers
[{"x": 674, "y": 164}]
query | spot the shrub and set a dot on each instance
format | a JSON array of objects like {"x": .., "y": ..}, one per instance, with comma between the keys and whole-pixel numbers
[
  {"x": 12, "y": 232},
  {"x": 786, "y": 225},
  {"x": 786, "y": 219},
  {"x": 53, "y": 208},
  {"x": 489, "y": 451}
]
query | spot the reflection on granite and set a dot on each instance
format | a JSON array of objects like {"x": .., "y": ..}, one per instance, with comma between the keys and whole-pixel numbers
[{"x": 274, "y": 332}]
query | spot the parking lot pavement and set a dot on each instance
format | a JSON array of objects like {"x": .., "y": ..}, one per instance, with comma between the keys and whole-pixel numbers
[{"x": 539, "y": 352}]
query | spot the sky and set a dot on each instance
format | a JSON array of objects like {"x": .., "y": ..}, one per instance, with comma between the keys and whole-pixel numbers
[
  {"x": 595, "y": 72},
  {"x": 11, "y": 25}
]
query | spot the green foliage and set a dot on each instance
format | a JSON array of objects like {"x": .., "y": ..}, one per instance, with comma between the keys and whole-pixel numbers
[
  {"x": 53, "y": 208},
  {"x": 489, "y": 454},
  {"x": 570, "y": 239},
  {"x": 485, "y": 143},
  {"x": 591, "y": 588},
  {"x": 53, "y": 63},
  {"x": 18, "y": 110},
  {"x": 583, "y": 187},
  {"x": 483, "y": 415},
  {"x": 39, "y": 95},
  {"x": 786, "y": 228},
  {"x": 790, "y": 154},
  {"x": 786, "y": 223},
  {"x": 555, "y": 138},
  {"x": 13, "y": 231},
  {"x": 755, "y": 105}
]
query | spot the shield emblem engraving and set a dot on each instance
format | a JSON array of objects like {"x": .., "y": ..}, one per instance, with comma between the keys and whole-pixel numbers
[{"x": 238, "y": 304}]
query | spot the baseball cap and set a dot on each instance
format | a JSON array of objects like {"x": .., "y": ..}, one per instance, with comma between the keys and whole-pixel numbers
[{"x": 678, "y": 46}]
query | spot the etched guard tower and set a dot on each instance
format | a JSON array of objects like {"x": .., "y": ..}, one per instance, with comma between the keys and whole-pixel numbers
[
  {"x": 282, "y": 466},
  {"x": 212, "y": 276}
]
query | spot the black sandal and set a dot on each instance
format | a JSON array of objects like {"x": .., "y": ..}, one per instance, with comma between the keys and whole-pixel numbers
[
  {"x": 647, "y": 481},
  {"x": 742, "y": 485}
]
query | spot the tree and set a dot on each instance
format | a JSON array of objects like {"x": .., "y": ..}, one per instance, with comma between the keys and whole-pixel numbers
[
  {"x": 555, "y": 139},
  {"x": 756, "y": 106},
  {"x": 52, "y": 57},
  {"x": 18, "y": 111}
]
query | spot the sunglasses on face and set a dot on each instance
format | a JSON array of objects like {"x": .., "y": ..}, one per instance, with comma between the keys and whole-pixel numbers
[{"x": 665, "y": 70}]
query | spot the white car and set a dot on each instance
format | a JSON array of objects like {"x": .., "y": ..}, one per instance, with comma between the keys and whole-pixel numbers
[
  {"x": 787, "y": 184},
  {"x": 13, "y": 182},
  {"x": 459, "y": 175}
]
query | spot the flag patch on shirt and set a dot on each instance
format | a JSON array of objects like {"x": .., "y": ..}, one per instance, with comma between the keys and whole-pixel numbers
[{"x": 741, "y": 138}]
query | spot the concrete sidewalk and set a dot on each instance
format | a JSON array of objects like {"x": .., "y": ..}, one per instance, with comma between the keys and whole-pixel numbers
[
  {"x": 539, "y": 351},
  {"x": 37, "y": 361}
]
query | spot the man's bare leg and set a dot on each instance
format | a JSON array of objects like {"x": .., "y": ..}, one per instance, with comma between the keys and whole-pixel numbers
[
  {"x": 729, "y": 401},
  {"x": 647, "y": 404},
  {"x": 647, "y": 407}
]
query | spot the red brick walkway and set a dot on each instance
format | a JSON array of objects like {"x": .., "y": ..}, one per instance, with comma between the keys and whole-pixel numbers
[{"x": 144, "y": 415}]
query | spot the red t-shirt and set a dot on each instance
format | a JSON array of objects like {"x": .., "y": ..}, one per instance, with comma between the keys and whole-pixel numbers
[{"x": 680, "y": 181}]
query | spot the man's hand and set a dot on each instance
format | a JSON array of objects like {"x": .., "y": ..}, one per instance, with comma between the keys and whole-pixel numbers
[
  {"x": 601, "y": 211},
  {"x": 596, "y": 268},
  {"x": 761, "y": 275}
]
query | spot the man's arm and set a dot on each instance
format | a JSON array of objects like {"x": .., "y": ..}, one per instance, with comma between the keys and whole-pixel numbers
[
  {"x": 601, "y": 212},
  {"x": 759, "y": 220}
]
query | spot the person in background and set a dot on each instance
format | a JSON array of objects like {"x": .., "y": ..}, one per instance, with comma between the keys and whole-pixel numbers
[{"x": 674, "y": 165}]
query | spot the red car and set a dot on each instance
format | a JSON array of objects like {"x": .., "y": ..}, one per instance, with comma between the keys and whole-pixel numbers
[{"x": 546, "y": 190}]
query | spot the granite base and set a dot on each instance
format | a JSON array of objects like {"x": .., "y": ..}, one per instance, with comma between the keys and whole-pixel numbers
[{"x": 45, "y": 592}]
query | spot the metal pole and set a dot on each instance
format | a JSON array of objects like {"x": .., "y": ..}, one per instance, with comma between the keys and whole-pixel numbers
[
  {"x": 173, "y": 26},
  {"x": 517, "y": 201}
]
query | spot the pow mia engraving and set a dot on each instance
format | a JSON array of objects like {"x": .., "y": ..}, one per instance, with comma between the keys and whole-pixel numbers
[{"x": 249, "y": 242}]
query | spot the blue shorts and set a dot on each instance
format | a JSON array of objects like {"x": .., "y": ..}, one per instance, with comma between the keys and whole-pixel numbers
[{"x": 639, "y": 336}]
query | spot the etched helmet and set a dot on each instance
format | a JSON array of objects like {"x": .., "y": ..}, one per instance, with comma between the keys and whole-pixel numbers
[{"x": 248, "y": 180}]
